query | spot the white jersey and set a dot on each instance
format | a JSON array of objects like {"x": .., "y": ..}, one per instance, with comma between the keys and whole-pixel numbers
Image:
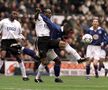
[
  {"x": 10, "y": 29},
  {"x": 41, "y": 27}
]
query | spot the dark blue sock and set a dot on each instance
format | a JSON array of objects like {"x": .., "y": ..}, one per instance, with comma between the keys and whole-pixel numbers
[
  {"x": 101, "y": 66},
  {"x": 87, "y": 69},
  {"x": 47, "y": 69},
  {"x": 18, "y": 59},
  {"x": 57, "y": 70},
  {"x": 96, "y": 69},
  {"x": 30, "y": 53}
]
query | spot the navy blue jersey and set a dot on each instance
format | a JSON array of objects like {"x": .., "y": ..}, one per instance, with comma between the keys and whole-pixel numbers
[
  {"x": 99, "y": 36},
  {"x": 55, "y": 30}
]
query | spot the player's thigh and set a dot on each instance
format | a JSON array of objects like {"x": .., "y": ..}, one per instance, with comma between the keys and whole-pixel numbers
[
  {"x": 53, "y": 44},
  {"x": 97, "y": 53},
  {"x": 89, "y": 52}
]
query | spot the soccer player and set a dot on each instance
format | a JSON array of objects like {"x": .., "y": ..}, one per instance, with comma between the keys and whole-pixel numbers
[
  {"x": 10, "y": 30},
  {"x": 56, "y": 33},
  {"x": 47, "y": 33},
  {"x": 94, "y": 48}
]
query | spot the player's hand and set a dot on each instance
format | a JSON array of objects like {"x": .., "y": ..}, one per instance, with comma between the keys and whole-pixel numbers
[
  {"x": 38, "y": 10},
  {"x": 37, "y": 13}
]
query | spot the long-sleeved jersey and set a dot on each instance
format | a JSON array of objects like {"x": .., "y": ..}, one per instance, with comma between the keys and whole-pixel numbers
[{"x": 55, "y": 30}]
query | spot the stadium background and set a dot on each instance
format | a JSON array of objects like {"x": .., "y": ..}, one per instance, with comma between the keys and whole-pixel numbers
[
  {"x": 79, "y": 13},
  {"x": 75, "y": 14}
]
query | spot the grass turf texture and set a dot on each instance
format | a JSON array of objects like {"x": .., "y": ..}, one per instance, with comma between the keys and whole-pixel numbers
[{"x": 70, "y": 83}]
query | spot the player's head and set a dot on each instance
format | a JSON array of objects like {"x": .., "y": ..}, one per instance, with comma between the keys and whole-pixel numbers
[
  {"x": 13, "y": 15},
  {"x": 48, "y": 13},
  {"x": 95, "y": 22}
]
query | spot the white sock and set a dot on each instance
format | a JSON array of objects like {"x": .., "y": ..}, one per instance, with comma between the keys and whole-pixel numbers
[
  {"x": 23, "y": 70},
  {"x": 1, "y": 64},
  {"x": 72, "y": 51},
  {"x": 39, "y": 71}
]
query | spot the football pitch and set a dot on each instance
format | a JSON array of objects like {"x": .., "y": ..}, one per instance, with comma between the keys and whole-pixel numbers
[{"x": 70, "y": 83}]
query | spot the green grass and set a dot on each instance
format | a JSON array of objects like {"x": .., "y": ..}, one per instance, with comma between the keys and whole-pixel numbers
[{"x": 70, "y": 83}]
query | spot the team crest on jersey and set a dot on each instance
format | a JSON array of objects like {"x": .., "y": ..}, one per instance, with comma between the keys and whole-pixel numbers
[{"x": 95, "y": 36}]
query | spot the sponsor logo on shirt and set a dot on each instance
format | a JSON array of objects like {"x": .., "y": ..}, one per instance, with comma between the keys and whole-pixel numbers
[{"x": 11, "y": 28}]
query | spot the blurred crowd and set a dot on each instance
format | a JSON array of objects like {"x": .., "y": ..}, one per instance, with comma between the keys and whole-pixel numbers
[{"x": 77, "y": 17}]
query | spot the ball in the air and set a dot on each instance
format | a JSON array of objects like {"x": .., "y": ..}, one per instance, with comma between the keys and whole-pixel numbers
[{"x": 87, "y": 38}]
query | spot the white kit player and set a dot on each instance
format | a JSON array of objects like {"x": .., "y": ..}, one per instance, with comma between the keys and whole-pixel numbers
[{"x": 10, "y": 30}]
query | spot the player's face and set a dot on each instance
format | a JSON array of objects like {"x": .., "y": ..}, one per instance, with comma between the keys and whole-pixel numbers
[
  {"x": 95, "y": 23},
  {"x": 14, "y": 15},
  {"x": 48, "y": 13}
]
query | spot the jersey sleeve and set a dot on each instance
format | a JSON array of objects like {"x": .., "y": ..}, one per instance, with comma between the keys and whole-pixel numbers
[
  {"x": 105, "y": 37},
  {"x": 51, "y": 25}
]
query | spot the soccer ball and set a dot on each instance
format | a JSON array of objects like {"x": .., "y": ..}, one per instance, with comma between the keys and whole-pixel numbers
[{"x": 87, "y": 38}]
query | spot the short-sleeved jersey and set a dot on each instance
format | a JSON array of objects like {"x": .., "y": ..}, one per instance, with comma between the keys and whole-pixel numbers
[
  {"x": 98, "y": 35},
  {"x": 41, "y": 27},
  {"x": 10, "y": 29}
]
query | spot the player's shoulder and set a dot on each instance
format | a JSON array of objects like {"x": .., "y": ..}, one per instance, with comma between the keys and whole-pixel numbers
[
  {"x": 90, "y": 28},
  {"x": 101, "y": 28},
  {"x": 39, "y": 17},
  {"x": 17, "y": 22},
  {"x": 4, "y": 20}
]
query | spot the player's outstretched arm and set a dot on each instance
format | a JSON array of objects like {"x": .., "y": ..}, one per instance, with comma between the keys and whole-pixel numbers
[{"x": 37, "y": 13}]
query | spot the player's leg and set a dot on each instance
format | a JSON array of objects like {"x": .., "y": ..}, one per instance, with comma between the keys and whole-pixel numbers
[
  {"x": 39, "y": 73},
  {"x": 95, "y": 64},
  {"x": 101, "y": 65},
  {"x": 101, "y": 61},
  {"x": 97, "y": 56},
  {"x": 89, "y": 55},
  {"x": 57, "y": 66},
  {"x": 22, "y": 67},
  {"x": 4, "y": 45},
  {"x": 74, "y": 53},
  {"x": 30, "y": 53},
  {"x": 15, "y": 50},
  {"x": 3, "y": 53},
  {"x": 88, "y": 63},
  {"x": 41, "y": 66}
]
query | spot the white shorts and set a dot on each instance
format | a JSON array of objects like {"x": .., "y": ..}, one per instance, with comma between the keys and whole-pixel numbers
[
  {"x": 93, "y": 52},
  {"x": 51, "y": 55},
  {"x": 102, "y": 54}
]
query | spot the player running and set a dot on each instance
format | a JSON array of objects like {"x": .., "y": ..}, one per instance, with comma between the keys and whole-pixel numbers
[{"x": 93, "y": 51}]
